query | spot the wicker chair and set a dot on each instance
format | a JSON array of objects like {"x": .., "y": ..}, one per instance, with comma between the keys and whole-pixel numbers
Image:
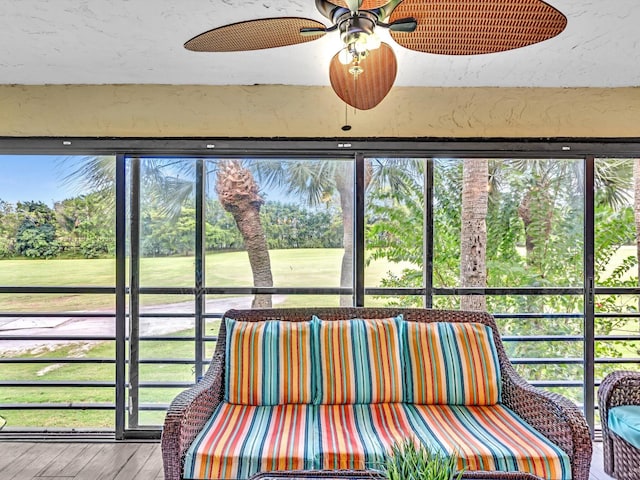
[
  {"x": 621, "y": 459},
  {"x": 553, "y": 415}
]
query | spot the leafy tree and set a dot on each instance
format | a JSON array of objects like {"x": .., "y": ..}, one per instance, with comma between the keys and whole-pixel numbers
[
  {"x": 521, "y": 251},
  {"x": 287, "y": 225},
  {"x": 221, "y": 232},
  {"x": 8, "y": 229},
  {"x": 36, "y": 236},
  {"x": 87, "y": 225},
  {"x": 161, "y": 237}
]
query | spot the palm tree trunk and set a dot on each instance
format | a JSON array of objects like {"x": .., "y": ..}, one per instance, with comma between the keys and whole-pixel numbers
[
  {"x": 238, "y": 194},
  {"x": 536, "y": 212},
  {"x": 344, "y": 185},
  {"x": 473, "y": 234}
]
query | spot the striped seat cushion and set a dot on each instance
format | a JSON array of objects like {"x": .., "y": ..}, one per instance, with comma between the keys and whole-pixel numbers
[
  {"x": 358, "y": 361},
  {"x": 268, "y": 363},
  {"x": 489, "y": 437},
  {"x": 450, "y": 364},
  {"x": 484, "y": 437},
  {"x": 241, "y": 440},
  {"x": 356, "y": 437}
]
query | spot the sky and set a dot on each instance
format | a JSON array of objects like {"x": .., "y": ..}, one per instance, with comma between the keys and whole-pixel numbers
[
  {"x": 34, "y": 177},
  {"x": 42, "y": 178}
]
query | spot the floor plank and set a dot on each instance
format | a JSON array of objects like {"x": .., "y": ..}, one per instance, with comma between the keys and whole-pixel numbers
[
  {"x": 30, "y": 462},
  {"x": 146, "y": 456},
  {"x": 108, "y": 462},
  {"x": 10, "y": 452},
  {"x": 69, "y": 462},
  {"x": 56, "y": 460}
]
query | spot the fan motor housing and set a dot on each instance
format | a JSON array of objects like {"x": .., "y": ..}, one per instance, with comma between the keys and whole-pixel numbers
[{"x": 353, "y": 26}]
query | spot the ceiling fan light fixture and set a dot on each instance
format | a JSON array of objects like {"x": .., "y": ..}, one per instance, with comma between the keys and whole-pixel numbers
[
  {"x": 358, "y": 35},
  {"x": 345, "y": 57},
  {"x": 373, "y": 41}
]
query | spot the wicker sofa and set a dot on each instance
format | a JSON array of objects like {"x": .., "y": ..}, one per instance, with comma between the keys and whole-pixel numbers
[{"x": 551, "y": 417}]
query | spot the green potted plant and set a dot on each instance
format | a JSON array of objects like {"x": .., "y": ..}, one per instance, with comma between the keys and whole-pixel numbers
[{"x": 409, "y": 460}]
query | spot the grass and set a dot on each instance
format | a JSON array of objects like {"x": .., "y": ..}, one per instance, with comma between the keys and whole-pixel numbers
[
  {"x": 300, "y": 267},
  {"x": 51, "y": 372},
  {"x": 304, "y": 267},
  {"x": 307, "y": 267}
]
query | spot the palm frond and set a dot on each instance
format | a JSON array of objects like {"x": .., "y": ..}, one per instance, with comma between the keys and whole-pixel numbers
[
  {"x": 402, "y": 175},
  {"x": 307, "y": 179},
  {"x": 614, "y": 181},
  {"x": 92, "y": 174}
]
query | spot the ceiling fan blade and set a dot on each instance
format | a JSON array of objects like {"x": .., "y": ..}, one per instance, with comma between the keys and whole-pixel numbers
[
  {"x": 370, "y": 87},
  {"x": 471, "y": 27},
  {"x": 256, "y": 35},
  {"x": 362, "y": 4}
]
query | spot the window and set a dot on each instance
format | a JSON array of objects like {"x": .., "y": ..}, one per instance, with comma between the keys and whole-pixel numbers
[{"x": 110, "y": 303}]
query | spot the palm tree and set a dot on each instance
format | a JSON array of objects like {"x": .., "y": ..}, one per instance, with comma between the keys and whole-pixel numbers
[
  {"x": 168, "y": 183},
  {"x": 541, "y": 182},
  {"x": 238, "y": 194},
  {"x": 317, "y": 180},
  {"x": 473, "y": 232}
]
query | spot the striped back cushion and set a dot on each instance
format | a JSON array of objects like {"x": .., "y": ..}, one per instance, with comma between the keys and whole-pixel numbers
[
  {"x": 358, "y": 361},
  {"x": 268, "y": 363},
  {"x": 450, "y": 364}
]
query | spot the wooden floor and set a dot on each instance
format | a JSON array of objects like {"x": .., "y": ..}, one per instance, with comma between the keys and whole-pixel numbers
[
  {"x": 112, "y": 461},
  {"x": 80, "y": 461}
]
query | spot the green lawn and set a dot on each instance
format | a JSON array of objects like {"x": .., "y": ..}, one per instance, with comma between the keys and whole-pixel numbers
[
  {"x": 301, "y": 267},
  {"x": 305, "y": 267},
  {"x": 51, "y": 372}
]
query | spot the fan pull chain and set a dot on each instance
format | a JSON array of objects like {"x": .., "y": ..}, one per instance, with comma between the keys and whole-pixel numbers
[{"x": 346, "y": 127}]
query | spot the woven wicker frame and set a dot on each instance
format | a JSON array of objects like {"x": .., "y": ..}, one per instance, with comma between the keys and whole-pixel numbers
[
  {"x": 553, "y": 415},
  {"x": 621, "y": 459},
  {"x": 370, "y": 475}
]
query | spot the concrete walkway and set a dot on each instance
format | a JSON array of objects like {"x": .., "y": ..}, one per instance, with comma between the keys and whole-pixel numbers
[{"x": 88, "y": 326}]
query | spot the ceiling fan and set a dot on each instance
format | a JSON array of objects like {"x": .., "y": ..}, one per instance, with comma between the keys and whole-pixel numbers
[{"x": 363, "y": 71}]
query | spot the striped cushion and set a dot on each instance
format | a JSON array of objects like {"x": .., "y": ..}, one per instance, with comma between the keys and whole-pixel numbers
[
  {"x": 241, "y": 440},
  {"x": 355, "y": 437},
  {"x": 268, "y": 363},
  {"x": 358, "y": 361},
  {"x": 450, "y": 364},
  {"x": 489, "y": 438}
]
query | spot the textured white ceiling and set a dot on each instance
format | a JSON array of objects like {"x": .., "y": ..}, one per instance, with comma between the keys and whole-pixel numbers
[{"x": 140, "y": 41}]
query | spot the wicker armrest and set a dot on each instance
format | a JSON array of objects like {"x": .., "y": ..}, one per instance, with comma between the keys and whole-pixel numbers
[
  {"x": 553, "y": 415},
  {"x": 617, "y": 388},
  {"x": 188, "y": 414}
]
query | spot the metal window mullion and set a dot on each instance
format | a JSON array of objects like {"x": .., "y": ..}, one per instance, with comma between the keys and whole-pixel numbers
[
  {"x": 427, "y": 254},
  {"x": 200, "y": 244},
  {"x": 589, "y": 291},
  {"x": 358, "y": 231},
  {"x": 134, "y": 294},
  {"x": 120, "y": 292}
]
